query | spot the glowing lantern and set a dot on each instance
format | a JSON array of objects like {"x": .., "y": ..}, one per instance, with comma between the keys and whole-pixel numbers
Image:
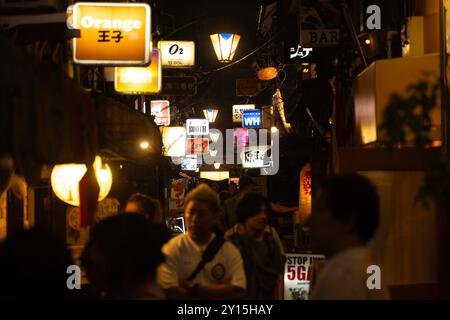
[
  {"x": 211, "y": 114},
  {"x": 267, "y": 73},
  {"x": 65, "y": 179},
  {"x": 225, "y": 45}
]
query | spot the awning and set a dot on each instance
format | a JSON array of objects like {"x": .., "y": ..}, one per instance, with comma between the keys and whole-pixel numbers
[{"x": 122, "y": 130}]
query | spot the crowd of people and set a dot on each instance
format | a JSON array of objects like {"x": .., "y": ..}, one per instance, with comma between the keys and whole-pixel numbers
[{"x": 230, "y": 249}]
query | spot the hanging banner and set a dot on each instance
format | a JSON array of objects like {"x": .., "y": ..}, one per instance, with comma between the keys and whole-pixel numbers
[
  {"x": 111, "y": 33},
  {"x": 139, "y": 80},
  {"x": 238, "y": 109},
  {"x": 177, "y": 54},
  {"x": 161, "y": 110},
  {"x": 297, "y": 275},
  {"x": 176, "y": 196},
  {"x": 197, "y": 127},
  {"x": 304, "y": 204}
]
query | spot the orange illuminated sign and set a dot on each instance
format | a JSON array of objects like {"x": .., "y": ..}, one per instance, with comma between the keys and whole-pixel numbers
[
  {"x": 111, "y": 33},
  {"x": 139, "y": 80}
]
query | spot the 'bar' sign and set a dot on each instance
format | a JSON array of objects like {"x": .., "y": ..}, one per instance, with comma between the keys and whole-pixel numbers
[{"x": 251, "y": 119}]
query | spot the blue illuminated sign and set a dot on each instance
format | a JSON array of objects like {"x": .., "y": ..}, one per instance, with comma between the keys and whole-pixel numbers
[{"x": 252, "y": 119}]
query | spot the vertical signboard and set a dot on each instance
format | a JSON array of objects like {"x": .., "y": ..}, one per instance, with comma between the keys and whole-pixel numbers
[{"x": 304, "y": 207}]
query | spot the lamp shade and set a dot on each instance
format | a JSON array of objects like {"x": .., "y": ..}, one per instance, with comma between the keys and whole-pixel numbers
[
  {"x": 66, "y": 177},
  {"x": 211, "y": 114},
  {"x": 225, "y": 45}
]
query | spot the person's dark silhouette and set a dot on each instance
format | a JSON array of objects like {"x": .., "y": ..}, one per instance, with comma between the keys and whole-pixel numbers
[
  {"x": 33, "y": 265},
  {"x": 121, "y": 258}
]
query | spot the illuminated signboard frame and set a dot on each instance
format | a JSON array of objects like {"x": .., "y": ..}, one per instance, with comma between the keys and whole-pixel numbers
[
  {"x": 251, "y": 114},
  {"x": 215, "y": 175},
  {"x": 197, "y": 123},
  {"x": 260, "y": 163},
  {"x": 189, "y": 164},
  {"x": 192, "y": 145},
  {"x": 174, "y": 141},
  {"x": 155, "y": 55},
  {"x": 148, "y": 34},
  {"x": 161, "y": 120},
  {"x": 165, "y": 46},
  {"x": 238, "y": 109}
]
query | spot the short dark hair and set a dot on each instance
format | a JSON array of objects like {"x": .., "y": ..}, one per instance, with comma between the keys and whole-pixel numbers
[
  {"x": 149, "y": 205},
  {"x": 352, "y": 196},
  {"x": 129, "y": 246},
  {"x": 250, "y": 205}
]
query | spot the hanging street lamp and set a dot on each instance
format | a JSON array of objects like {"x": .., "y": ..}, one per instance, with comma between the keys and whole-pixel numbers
[
  {"x": 211, "y": 114},
  {"x": 225, "y": 45}
]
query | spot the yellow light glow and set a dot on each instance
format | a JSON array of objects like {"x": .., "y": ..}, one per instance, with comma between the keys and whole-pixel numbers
[
  {"x": 66, "y": 177},
  {"x": 367, "y": 41},
  {"x": 274, "y": 129},
  {"x": 225, "y": 45},
  {"x": 216, "y": 165},
  {"x": 144, "y": 145},
  {"x": 215, "y": 175},
  {"x": 278, "y": 101},
  {"x": 139, "y": 80}
]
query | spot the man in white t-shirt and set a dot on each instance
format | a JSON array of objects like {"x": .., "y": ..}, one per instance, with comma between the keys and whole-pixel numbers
[{"x": 221, "y": 278}]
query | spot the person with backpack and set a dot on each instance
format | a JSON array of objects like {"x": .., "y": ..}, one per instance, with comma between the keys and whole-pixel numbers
[
  {"x": 201, "y": 264},
  {"x": 260, "y": 247}
]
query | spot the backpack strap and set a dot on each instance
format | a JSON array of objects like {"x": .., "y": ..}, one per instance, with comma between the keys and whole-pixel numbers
[{"x": 208, "y": 255}]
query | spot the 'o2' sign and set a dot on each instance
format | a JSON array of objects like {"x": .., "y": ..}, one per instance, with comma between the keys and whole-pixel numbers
[
  {"x": 177, "y": 54},
  {"x": 175, "y": 48}
]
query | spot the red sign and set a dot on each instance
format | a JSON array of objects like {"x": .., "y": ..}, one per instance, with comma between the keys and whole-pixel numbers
[
  {"x": 196, "y": 146},
  {"x": 161, "y": 110}
]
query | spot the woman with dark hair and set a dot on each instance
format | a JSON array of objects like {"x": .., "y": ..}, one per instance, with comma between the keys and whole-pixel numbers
[{"x": 260, "y": 247}]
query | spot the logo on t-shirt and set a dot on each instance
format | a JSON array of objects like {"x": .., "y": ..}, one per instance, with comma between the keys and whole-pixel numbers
[{"x": 218, "y": 272}]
